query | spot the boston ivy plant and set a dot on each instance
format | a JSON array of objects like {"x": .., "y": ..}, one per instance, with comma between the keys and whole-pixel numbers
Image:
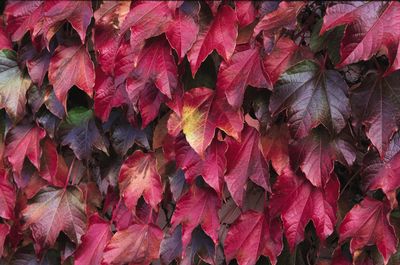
[{"x": 199, "y": 132}]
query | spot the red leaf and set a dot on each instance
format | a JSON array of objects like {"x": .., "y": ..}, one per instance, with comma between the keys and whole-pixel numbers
[
  {"x": 183, "y": 29},
  {"x": 245, "y": 161},
  {"x": 283, "y": 17},
  {"x": 212, "y": 168},
  {"x": 199, "y": 206},
  {"x": 78, "y": 13},
  {"x": 93, "y": 242},
  {"x": 69, "y": 66},
  {"x": 108, "y": 19},
  {"x": 145, "y": 20},
  {"x": 5, "y": 42},
  {"x": 375, "y": 104},
  {"x": 24, "y": 141},
  {"x": 22, "y": 16},
  {"x": 187, "y": 159},
  {"x": 316, "y": 154},
  {"x": 155, "y": 65},
  {"x": 107, "y": 95},
  {"x": 368, "y": 224},
  {"x": 4, "y": 231},
  {"x": 311, "y": 95},
  {"x": 242, "y": 70},
  {"x": 215, "y": 165},
  {"x": 252, "y": 235},
  {"x": 220, "y": 35},
  {"x": 138, "y": 176},
  {"x": 138, "y": 244},
  {"x": 383, "y": 173},
  {"x": 370, "y": 27},
  {"x": 281, "y": 58},
  {"x": 299, "y": 202},
  {"x": 54, "y": 210},
  {"x": 7, "y": 197},
  {"x": 245, "y": 12},
  {"x": 122, "y": 216},
  {"x": 52, "y": 166}
]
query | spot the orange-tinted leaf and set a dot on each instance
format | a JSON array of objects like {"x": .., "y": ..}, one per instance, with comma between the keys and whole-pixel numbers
[{"x": 139, "y": 176}]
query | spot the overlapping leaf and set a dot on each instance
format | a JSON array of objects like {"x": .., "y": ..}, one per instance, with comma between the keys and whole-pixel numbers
[
  {"x": 311, "y": 95},
  {"x": 13, "y": 85},
  {"x": 371, "y": 27},
  {"x": 368, "y": 223},
  {"x": 252, "y": 235},
  {"x": 197, "y": 207},
  {"x": 138, "y": 244},
  {"x": 299, "y": 202},
  {"x": 54, "y": 210},
  {"x": 375, "y": 103},
  {"x": 138, "y": 176}
]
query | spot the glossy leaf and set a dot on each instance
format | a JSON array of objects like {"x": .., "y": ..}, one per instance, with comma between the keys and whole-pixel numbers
[
  {"x": 183, "y": 29},
  {"x": 311, "y": 96},
  {"x": 78, "y": 14},
  {"x": 145, "y": 20}
]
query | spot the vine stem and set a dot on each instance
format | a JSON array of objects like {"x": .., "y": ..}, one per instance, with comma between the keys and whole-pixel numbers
[
  {"x": 349, "y": 181},
  {"x": 69, "y": 173}
]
